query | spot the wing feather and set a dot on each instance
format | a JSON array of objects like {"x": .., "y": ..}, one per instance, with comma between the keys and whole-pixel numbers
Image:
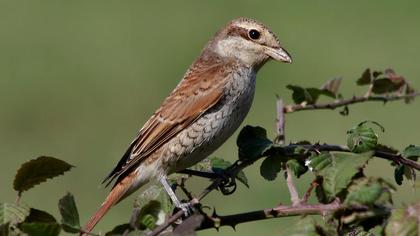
[{"x": 201, "y": 89}]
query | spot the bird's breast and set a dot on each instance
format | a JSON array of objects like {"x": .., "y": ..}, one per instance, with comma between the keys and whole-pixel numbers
[{"x": 215, "y": 126}]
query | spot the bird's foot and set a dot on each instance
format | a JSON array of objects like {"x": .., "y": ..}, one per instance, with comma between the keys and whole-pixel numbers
[{"x": 187, "y": 208}]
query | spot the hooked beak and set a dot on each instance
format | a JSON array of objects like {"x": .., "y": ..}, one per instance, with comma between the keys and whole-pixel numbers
[{"x": 278, "y": 54}]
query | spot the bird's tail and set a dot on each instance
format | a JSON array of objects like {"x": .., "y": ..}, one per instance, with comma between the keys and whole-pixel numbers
[{"x": 116, "y": 195}]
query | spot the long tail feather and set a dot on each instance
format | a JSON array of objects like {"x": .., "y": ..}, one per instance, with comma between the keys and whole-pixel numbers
[{"x": 116, "y": 194}]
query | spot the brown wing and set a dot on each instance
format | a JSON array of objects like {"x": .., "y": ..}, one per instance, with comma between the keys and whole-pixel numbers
[{"x": 199, "y": 91}]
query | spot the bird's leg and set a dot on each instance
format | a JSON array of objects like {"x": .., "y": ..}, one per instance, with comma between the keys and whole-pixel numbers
[{"x": 183, "y": 206}]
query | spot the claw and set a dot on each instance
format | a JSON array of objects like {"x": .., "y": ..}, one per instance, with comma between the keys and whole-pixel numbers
[{"x": 187, "y": 208}]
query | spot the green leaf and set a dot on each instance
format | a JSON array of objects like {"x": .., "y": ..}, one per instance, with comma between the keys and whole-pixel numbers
[
  {"x": 398, "y": 174},
  {"x": 404, "y": 222},
  {"x": 69, "y": 214},
  {"x": 337, "y": 170},
  {"x": 386, "y": 85},
  {"x": 365, "y": 79},
  {"x": 151, "y": 208},
  {"x": 368, "y": 191},
  {"x": 39, "y": 216},
  {"x": 4, "y": 229},
  {"x": 218, "y": 165},
  {"x": 331, "y": 87},
  {"x": 359, "y": 231},
  {"x": 154, "y": 192},
  {"x": 411, "y": 152},
  {"x": 242, "y": 178},
  {"x": 252, "y": 142},
  {"x": 37, "y": 171},
  {"x": 41, "y": 229},
  {"x": 270, "y": 167},
  {"x": 304, "y": 227},
  {"x": 376, "y": 74},
  {"x": 297, "y": 167},
  {"x": 12, "y": 213},
  {"x": 149, "y": 215},
  {"x": 120, "y": 230},
  {"x": 308, "y": 95},
  {"x": 362, "y": 138},
  {"x": 401, "y": 171}
]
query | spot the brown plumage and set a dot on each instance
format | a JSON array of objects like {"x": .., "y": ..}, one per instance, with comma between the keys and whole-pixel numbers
[{"x": 205, "y": 108}]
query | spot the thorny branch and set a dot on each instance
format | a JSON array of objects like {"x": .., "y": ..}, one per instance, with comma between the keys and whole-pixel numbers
[
  {"x": 299, "y": 206},
  {"x": 281, "y": 138},
  {"x": 345, "y": 102},
  {"x": 216, "y": 221},
  {"x": 281, "y": 211}
]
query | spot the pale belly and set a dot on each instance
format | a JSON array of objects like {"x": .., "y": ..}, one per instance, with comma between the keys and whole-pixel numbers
[{"x": 211, "y": 130}]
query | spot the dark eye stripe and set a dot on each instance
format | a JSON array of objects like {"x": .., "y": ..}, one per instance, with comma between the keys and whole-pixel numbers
[
  {"x": 242, "y": 32},
  {"x": 238, "y": 31}
]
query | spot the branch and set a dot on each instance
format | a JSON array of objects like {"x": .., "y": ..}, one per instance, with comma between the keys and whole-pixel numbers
[
  {"x": 216, "y": 221},
  {"x": 289, "y": 151},
  {"x": 294, "y": 196},
  {"x": 345, "y": 102}
]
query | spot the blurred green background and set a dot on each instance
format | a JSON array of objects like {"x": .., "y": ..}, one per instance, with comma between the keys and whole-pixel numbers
[{"x": 78, "y": 78}]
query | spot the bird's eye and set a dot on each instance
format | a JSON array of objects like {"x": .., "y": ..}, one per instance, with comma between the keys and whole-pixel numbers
[{"x": 254, "y": 34}]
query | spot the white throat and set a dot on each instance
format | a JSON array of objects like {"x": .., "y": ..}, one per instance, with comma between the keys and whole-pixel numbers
[{"x": 241, "y": 49}]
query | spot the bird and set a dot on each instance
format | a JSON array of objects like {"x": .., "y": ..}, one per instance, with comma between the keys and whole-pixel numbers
[{"x": 200, "y": 114}]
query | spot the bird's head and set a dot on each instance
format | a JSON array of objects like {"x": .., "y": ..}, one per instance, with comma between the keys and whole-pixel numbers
[{"x": 250, "y": 42}]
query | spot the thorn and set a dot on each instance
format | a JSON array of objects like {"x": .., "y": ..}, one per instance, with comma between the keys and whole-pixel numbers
[
  {"x": 214, "y": 214},
  {"x": 273, "y": 212},
  {"x": 233, "y": 226}
]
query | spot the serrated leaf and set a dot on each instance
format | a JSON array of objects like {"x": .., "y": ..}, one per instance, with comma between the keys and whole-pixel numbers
[
  {"x": 337, "y": 170},
  {"x": 218, "y": 165},
  {"x": 365, "y": 79},
  {"x": 404, "y": 222},
  {"x": 411, "y": 152},
  {"x": 120, "y": 230},
  {"x": 332, "y": 86},
  {"x": 298, "y": 168},
  {"x": 39, "y": 216},
  {"x": 10, "y": 212},
  {"x": 362, "y": 138},
  {"x": 41, "y": 229},
  {"x": 37, "y": 171},
  {"x": 368, "y": 191},
  {"x": 252, "y": 142},
  {"x": 270, "y": 167},
  {"x": 69, "y": 214},
  {"x": 157, "y": 193}
]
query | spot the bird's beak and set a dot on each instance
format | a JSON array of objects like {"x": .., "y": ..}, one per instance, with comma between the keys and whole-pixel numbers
[{"x": 278, "y": 54}]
